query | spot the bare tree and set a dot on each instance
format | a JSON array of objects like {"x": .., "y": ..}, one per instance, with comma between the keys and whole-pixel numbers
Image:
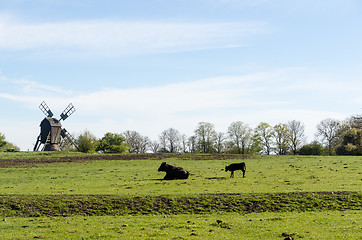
[
  {"x": 266, "y": 134},
  {"x": 163, "y": 141},
  {"x": 171, "y": 137},
  {"x": 297, "y": 136},
  {"x": 219, "y": 142},
  {"x": 144, "y": 144},
  {"x": 184, "y": 143},
  {"x": 192, "y": 143},
  {"x": 328, "y": 131},
  {"x": 154, "y": 146},
  {"x": 206, "y": 135},
  {"x": 136, "y": 142},
  {"x": 282, "y": 136},
  {"x": 240, "y": 135}
]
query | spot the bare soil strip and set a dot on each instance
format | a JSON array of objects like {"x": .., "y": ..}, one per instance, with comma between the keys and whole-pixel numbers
[
  {"x": 44, "y": 159},
  {"x": 100, "y": 205}
]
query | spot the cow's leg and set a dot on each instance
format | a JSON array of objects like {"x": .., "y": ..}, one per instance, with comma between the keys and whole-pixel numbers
[
  {"x": 168, "y": 177},
  {"x": 243, "y": 173},
  {"x": 232, "y": 174}
]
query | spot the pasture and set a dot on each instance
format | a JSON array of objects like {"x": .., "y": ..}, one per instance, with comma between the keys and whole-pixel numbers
[
  {"x": 264, "y": 174},
  {"x": 38, "y": 192}
]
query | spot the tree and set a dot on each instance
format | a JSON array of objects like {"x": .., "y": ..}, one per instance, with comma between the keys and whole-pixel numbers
[
  {"x": 219, "y": 142},
  {"x": 154, "y": 146},
  {"x": 282, "y": 136},
  {"x": 296, "y": 135},
  {"x": 87, "y": 142},
  {"x": 205, "y": 134},
  {"x": 163, "y": 142},
  {"x": 136, "y": 142},
  {"x": 350, "y": 137},
  {"x": 112, "y": 143},
  {"x": 192, "y": 143},
  {"x": 184, "y": 143},
  {"x": 2, "y": 140},
  {"x": 266, "y": 134},
  {"x": 328, "y": 130},
  {"x": 170, "y": 139},
  {"x": 240, "y": 135},
  {"x": 351, "y": 143},
  {"x": 144, "y": 144}
]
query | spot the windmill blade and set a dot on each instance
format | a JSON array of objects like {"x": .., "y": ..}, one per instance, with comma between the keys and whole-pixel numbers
[
  {"x": 67, "y": 112},
  {"x": 45, "y": 109},
  {"x": 67, "y": 138}
]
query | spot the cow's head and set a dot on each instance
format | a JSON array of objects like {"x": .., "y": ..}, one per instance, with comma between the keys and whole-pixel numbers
[{"x": 163, "y": 167}]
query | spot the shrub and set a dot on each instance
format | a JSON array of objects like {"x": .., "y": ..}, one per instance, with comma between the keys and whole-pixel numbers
[
  {"x": 313, "y": 148},
  {"x": 112, "y": 143},
  {"x": 87, "y": 142}
]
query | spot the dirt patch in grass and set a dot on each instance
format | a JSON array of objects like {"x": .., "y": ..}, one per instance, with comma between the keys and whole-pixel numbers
[
  {"x": 99, "y": 205},
  {"x": 44, "y": 159}
]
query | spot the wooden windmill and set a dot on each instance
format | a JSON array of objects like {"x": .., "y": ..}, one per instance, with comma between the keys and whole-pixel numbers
[{"x": 52, "y": 135}]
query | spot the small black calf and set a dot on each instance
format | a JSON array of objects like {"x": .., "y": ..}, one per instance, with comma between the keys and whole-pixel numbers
[
  {"x": 236, "y": 166},
  {"x": 173, "y": 172}
]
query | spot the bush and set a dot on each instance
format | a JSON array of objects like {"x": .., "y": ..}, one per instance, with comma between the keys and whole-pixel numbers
[
  {"x": 113, "y": 143},
  {"x": 87, "y": 142},
  {"x": 313, "y": 148}
]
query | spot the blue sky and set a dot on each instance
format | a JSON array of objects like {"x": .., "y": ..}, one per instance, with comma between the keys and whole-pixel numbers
[{"x": 154, "y": 64}]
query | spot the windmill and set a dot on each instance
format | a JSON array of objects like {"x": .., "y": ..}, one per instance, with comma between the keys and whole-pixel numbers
[{"x": 52, "y": 135}]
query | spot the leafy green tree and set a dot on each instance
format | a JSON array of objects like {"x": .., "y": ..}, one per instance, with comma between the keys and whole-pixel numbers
[
  {"x": 87, "y": 142},
  {"x": 206, "y": 135},
  {"x": 240, "y": 135},
  {"x": 351, "y": 143},
  {"x": 266, "y": 135},
  {"x": 2, "y": 140},
  {"x": 282, "y": 136},
  {"x": 113, "y": 143}
]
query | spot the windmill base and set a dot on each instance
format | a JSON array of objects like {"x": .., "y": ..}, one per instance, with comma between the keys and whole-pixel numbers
[{"x": 51, "y": 147}]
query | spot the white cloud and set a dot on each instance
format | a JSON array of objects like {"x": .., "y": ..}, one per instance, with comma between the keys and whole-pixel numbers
[
  {"x": 114, "y": 38},
  {"x": 270, "y": 97}
]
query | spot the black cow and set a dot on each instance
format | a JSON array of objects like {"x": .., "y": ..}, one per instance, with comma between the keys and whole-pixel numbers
[
  {"x": 173, "y": 172},
  {"x": 236, "y": 166}
]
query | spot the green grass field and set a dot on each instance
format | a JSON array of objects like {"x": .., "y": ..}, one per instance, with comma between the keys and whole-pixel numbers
[
  {"x": 311, "y": 225},
  {"x": 266, "y": 174},
  {"x": 131, "y": 180}
]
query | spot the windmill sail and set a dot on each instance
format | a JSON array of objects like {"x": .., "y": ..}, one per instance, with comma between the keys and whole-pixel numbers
[
  {"x": 45, "y": 109},
  {"x": 67, "y": 112},
  {"x": 67, "y": 138}
]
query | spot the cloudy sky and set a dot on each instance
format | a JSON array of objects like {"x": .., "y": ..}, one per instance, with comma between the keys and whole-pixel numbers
[{"x": 148, "y": 65}]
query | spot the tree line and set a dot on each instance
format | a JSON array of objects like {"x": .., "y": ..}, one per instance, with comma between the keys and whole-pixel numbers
[{"x": 333, "y": 137}]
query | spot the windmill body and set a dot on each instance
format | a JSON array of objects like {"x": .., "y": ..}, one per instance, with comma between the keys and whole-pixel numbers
[{"x": 52, "y": 135}]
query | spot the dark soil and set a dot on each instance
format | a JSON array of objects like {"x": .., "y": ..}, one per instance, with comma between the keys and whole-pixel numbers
[
  {"x": 99, "y": 205},
  {"x": 29, "y": 161}
]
